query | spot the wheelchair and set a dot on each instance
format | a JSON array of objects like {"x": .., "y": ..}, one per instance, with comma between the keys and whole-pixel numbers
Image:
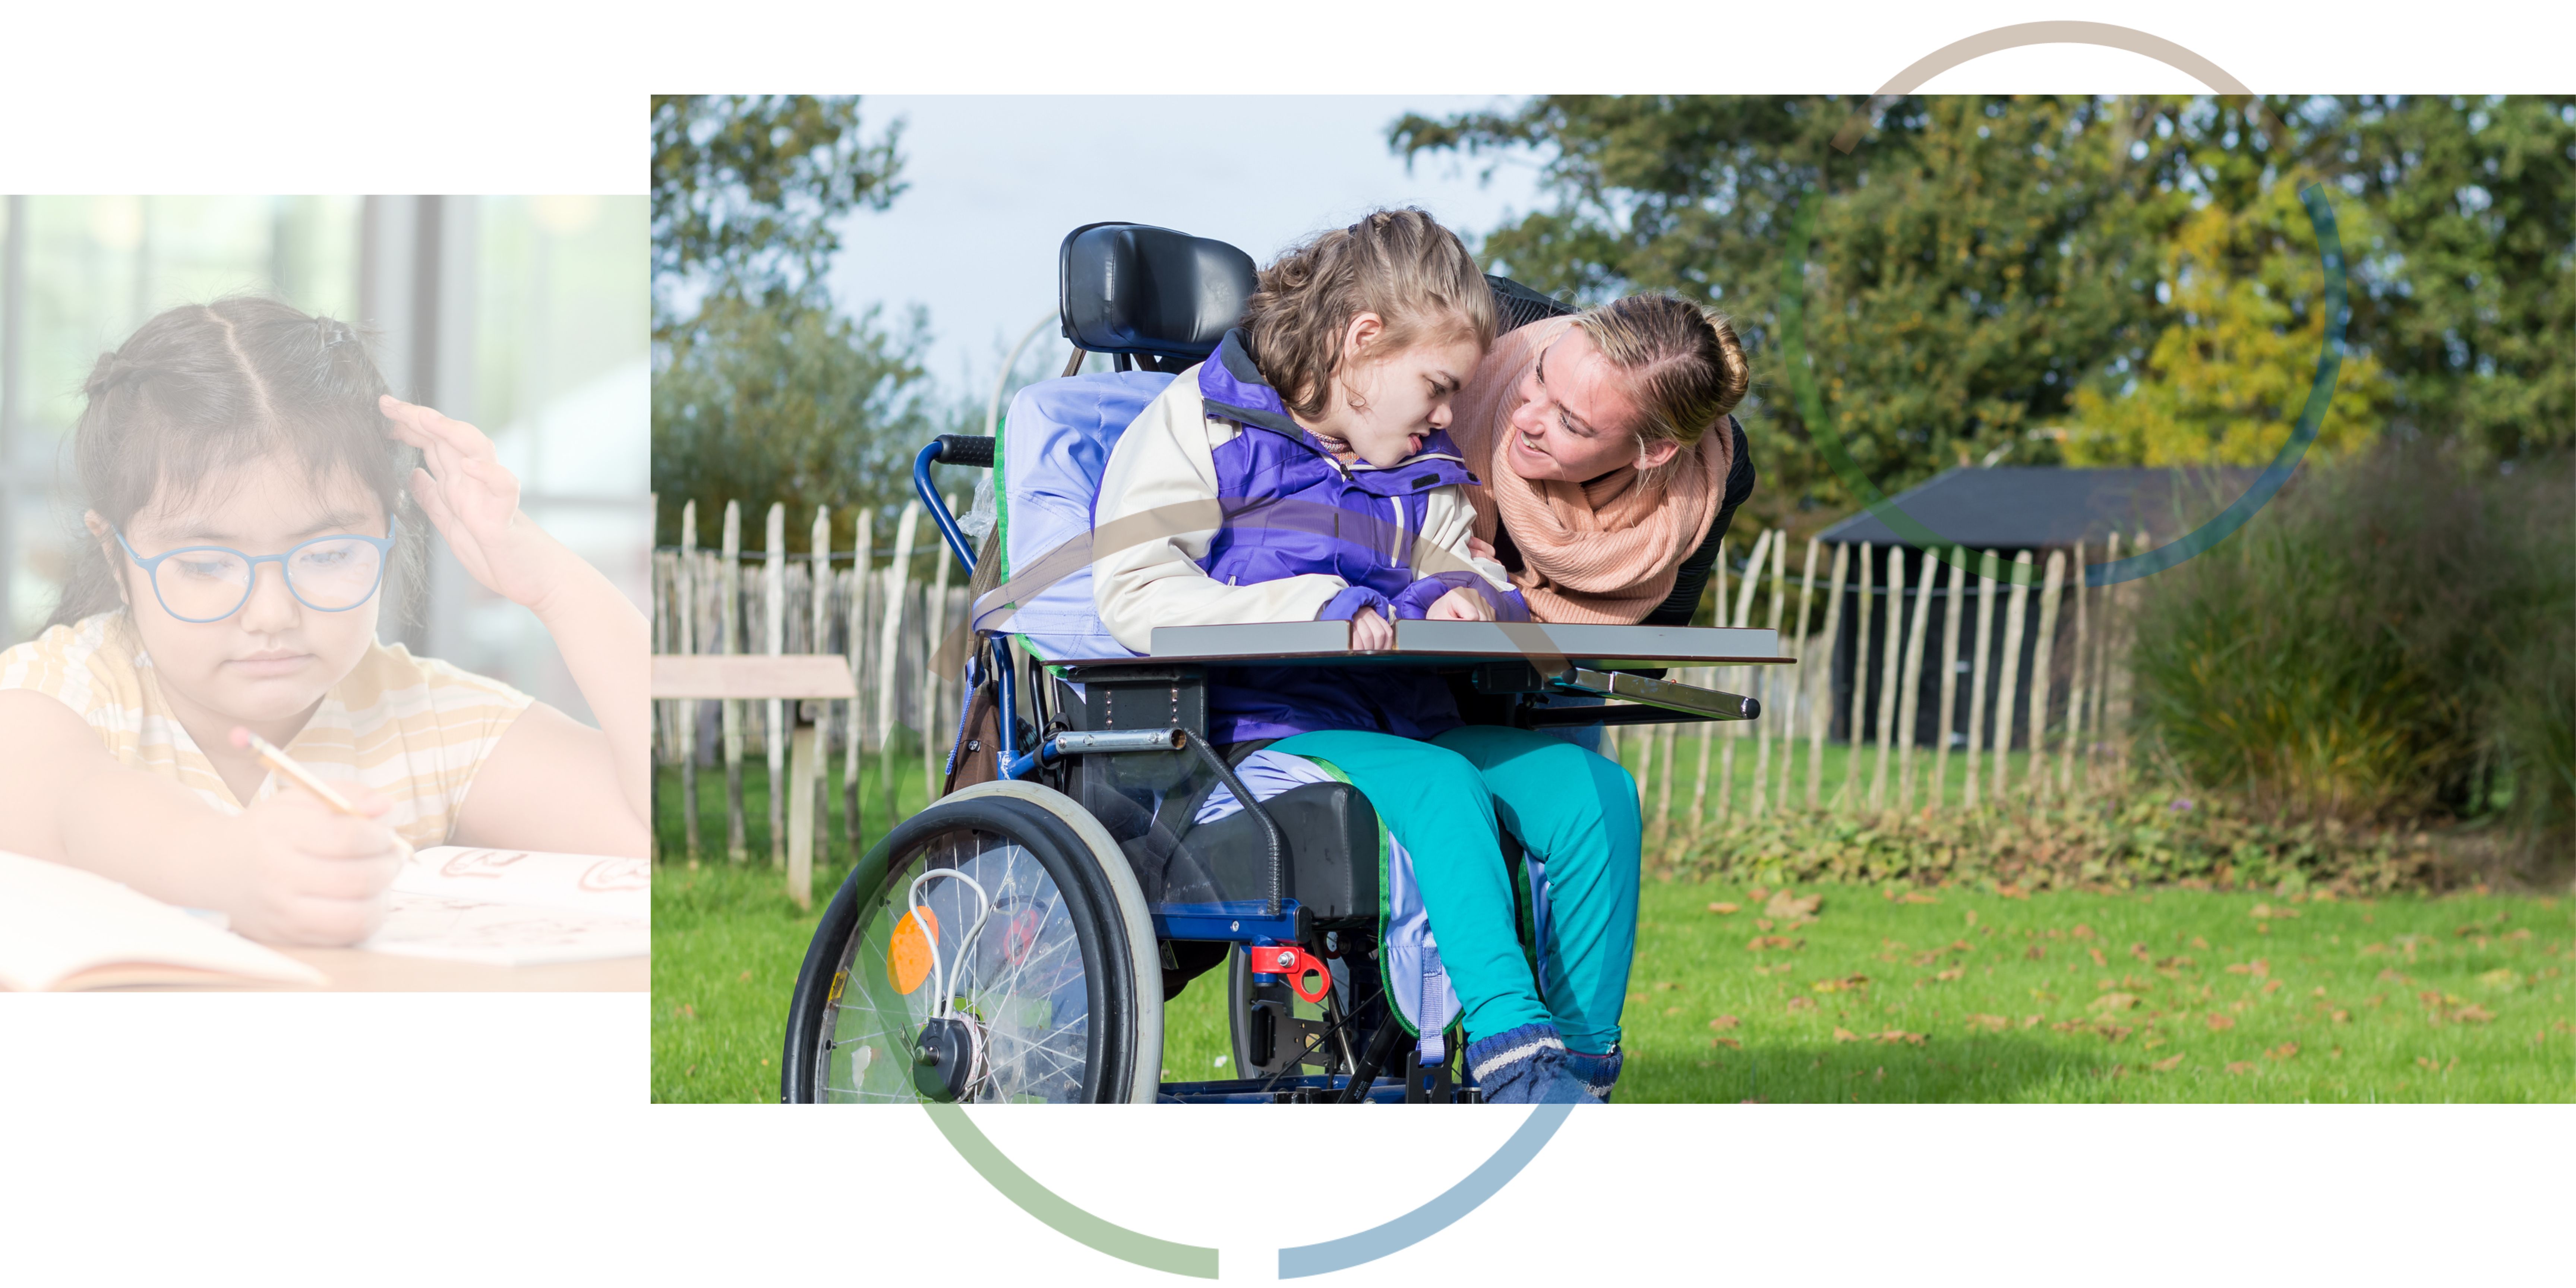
[{"x": 1016, "y": 940}]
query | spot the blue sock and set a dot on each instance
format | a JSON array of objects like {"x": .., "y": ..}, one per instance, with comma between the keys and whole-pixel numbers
[{"x": 1524, "y": 1066}]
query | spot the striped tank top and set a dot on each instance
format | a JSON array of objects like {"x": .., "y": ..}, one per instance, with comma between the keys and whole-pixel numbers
[{"x": 413, "y": 728}]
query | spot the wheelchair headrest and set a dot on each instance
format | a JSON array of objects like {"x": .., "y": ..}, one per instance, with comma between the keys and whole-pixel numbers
[{"x": 1134, "y": 288}]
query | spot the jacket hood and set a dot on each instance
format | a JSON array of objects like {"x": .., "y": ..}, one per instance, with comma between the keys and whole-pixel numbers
[{"x": 1232, "y": 387}]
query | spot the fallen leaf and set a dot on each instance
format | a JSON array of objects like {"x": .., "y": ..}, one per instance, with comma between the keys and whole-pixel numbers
[
  {"x": 1757, "y": 894},
  {"x": 1724, "y": 909},
  {"x": 1724, "y": 1022},
  {"x": 1663, "y": 986},
  {"x": 2283, "y": 1051},
  {"x": 1845, "y": 1035},
  {"x": 2472, "y": 1014},
  {"x": 1672, "y": 1010},
  {"x": 1900, "y": 1035},
  {"x": 2139, "y": 951},
  {"x": 1990, "y": 1023},
  {"x": 2098, "y": 958},
  {"x": 2081, "y": 931},
  {"x": 2241, "y": 1066},
  {"x": 2501, "y": 977},
  {"x": 1853, "y": 984},
  {"x": 1802, "y": 1003},
  {"x": 2031, "y": 1021},
  {"x": 1761, "y": 942},
  {"x": 1788, "y": 907},
  {"x": 2270, "y": 987},
  {"x": 2240, "y": 968},
  {"x": 1917, "y": 896},
  {"x": 1726, "y": 1042},
  {"x": 2167, "y": 1065},
  {"x": 1952, "y": 973},
  {"x": 2218, "y": 1021},
  {"x": 2010, "y": 891},
  {"x": 685, "y": 1011},
  {"x": 1762, "y": 922},
  {"x": 745, "y": 977},
  {"x": 2109, "y": 1002},
  {"x": 2036, "y": 953}
]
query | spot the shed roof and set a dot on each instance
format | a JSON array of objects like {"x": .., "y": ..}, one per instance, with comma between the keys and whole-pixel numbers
[{"x": 2036, "y": 506}]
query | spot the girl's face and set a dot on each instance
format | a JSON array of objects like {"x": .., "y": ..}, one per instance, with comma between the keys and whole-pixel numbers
[
  {"x": 273, "y": 658},
  {"x": 1404, "y": 396},
  {"x": 1576, "y": 421}
]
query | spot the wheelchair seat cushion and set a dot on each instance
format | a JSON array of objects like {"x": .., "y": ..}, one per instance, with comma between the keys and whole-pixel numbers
[{"x": 1055, "y": 443}]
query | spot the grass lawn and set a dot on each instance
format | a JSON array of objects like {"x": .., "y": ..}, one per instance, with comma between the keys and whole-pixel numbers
[{"x": 2168, "y": 995}]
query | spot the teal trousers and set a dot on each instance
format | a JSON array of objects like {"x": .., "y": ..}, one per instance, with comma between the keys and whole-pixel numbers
[{"x": 1444, "y": 800}]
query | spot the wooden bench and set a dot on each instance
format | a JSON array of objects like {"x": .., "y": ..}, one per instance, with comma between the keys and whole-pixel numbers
[{"x": 797, "y": 678}]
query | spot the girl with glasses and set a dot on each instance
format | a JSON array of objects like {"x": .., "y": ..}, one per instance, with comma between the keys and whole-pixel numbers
[{"x": 253, "y": 494}]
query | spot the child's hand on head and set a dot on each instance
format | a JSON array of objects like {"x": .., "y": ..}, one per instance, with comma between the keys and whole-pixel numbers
[
  {"x": 1461, "y": 604},
  {"x": 1370, "y": 631},
  {"x": 314, "y": 875},
  {"x": 475, "y": 503}
]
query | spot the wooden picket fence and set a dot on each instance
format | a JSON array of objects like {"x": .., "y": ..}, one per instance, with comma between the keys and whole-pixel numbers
[
  {"x": 2065, "y": 713},
  {"x": 873, "y": 610}
]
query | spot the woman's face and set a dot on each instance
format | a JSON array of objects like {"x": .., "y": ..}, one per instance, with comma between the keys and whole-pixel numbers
[
  {"x": 1575, "y": 421},
  {"x": 1404, "y": 396},
  {"x": 273, "y": 658}
]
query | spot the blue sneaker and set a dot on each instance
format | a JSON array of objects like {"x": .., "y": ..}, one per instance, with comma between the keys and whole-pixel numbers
[
  {"x": 1525, "y": 1066},
  {"x": 1599, "y": 1073}
]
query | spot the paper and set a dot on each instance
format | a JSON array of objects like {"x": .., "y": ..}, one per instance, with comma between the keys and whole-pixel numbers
[
  {"x": 63, "y": 927},
  {"x": 517, "y": 907}
]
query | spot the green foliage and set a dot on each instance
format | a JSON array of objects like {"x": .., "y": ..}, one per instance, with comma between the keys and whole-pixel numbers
[
  {"x": 1978, "y": 261},
  {"x": 745, "y": 188},
  {"x": 2386, "y": 641},
  {"x": 2146, "y": 836},
  {"x": 762, "y": 392}
]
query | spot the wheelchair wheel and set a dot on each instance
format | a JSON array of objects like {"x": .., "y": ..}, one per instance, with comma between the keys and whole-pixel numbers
[{"x": 1001, "y": 927}]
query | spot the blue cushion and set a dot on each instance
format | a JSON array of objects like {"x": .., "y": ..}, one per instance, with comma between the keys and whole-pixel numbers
[{"x": 1055, "y": 445}]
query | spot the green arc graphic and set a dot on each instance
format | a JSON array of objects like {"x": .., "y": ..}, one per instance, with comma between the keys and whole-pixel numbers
[{"x": 1059, "y": 1213}]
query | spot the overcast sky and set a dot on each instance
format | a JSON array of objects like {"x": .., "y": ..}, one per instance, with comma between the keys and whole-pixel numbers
[{"x": 996, "y": 183}]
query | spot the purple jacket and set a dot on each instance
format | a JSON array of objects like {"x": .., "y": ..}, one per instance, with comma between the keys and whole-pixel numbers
[{"x": 1291, "y": 509}]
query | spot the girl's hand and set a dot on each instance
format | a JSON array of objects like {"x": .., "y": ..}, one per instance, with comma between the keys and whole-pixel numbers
[
  {"x": 313, "y": 875},
  {"x": 1460, "y": 605},
  {"x": 1482, "y": 549},
  {"x": 1370, "y": 632},
  {"x": 475, "y": 503}
]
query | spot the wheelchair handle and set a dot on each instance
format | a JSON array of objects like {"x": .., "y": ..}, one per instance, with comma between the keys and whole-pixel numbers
[{"x": 949, "y": 449}]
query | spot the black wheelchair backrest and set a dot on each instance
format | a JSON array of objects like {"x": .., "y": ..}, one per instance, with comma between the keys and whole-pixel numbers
[{"x": 1137, "y": 289}]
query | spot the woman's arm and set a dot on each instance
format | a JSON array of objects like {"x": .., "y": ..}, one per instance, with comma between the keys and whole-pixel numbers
[
  {"x": 1678, "y": 607},
  {"x": 1157, "y": 512},
  {"x": 286, "y": 870},
  {"x": 597, "y": 786}
]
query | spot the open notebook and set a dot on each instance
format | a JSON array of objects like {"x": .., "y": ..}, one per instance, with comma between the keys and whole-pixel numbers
[
  {"x": 62, "y": 928},
  {"x": 518, "y": 907}
]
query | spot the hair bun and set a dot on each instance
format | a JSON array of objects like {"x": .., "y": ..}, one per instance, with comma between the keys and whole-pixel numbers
[{"x": 110, "y": 372}]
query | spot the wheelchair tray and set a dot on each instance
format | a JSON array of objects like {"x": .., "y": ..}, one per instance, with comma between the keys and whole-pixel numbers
[{"x": 1427, "y": 643}]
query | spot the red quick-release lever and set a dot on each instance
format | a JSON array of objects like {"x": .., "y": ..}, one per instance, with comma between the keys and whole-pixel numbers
[{"x": 1293, "y": 962}]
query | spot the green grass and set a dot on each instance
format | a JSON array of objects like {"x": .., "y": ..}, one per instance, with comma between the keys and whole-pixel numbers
[
  {"x": 1841, "y": 763},
  {"x": 727, "y": 944}
]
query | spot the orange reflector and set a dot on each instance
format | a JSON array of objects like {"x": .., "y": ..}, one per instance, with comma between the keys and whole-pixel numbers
[{"x": 908, "y": 957}]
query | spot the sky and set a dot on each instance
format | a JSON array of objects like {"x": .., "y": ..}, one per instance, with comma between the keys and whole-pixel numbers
[{"x": 996, "y": 183}]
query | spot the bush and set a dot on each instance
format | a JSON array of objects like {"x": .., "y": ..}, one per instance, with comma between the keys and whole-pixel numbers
[
  {"x": 2146, "y": 836},
  {"x": 2387, "y": 643}
]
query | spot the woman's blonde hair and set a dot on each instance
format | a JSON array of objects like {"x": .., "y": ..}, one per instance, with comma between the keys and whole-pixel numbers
[
  {"x": 1682, "y": 364},
  {"x": 1399, "y": 264}
]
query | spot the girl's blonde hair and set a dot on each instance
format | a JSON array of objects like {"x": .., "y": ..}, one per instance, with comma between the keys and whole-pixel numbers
[
  {"x": 205, "y": 386},
  {"x": 1399, "y": 264},
  {"x": 1683, "y": 365}
]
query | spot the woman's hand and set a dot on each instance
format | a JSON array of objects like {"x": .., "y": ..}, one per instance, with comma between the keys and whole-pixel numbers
[
  {"x": 1370, "y": 632},
  {"x": 308, "y": 874},
  {"x": 475, "y": 503},
  {"x": 1460, "y": 605}
]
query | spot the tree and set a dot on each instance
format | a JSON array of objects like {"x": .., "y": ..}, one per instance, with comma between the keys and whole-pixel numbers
[{"x": 763, "y": 392}]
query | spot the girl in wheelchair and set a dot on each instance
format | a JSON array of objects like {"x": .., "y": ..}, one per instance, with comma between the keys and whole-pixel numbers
[{"x": 1305, "y": 472}]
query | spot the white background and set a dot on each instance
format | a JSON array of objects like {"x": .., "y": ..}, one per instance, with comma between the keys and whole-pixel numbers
[{"x": 506, "y": 1140}]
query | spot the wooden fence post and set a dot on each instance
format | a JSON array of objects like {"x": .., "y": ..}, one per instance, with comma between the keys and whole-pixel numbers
[
  {"x": 1820, "y": 707},
  {"x": 1769, "y": 694},
  {"x": 2075, "y": 695},
  {"x": 1987, "y": 566},
  {"x": 2008, "y": 684},
  {"x": 1892, "y": 655},
  {"x": 2043, "y": 659},
  {"x": 1736, "y": 676},
  {"x": 819, "y": 608},
  {"x": 1798, "y": 685},
  {"x": 773, "y": 734},
  {"x": 1857, "y": 723},
  {"x": 854, "y": 755},
  {"x": 737, "y": 843},
  {"x": 889, "y": 650},
  {"x": 688, "y": 643},
  {"x": 1951, "y": 608},
  {"x": 1909, "y": 711}
]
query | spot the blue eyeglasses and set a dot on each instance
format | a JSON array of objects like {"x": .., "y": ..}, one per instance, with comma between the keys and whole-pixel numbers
[{"x": 210, "y": 583}]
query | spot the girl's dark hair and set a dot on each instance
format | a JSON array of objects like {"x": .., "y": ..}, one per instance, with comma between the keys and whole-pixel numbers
[
  {"x": 205, "y": 386},
  {"x": 1399, "y": 264}
]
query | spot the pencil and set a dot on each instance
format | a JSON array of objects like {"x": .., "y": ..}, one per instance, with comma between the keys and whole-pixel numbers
[{"x": 282, "y": 763}]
